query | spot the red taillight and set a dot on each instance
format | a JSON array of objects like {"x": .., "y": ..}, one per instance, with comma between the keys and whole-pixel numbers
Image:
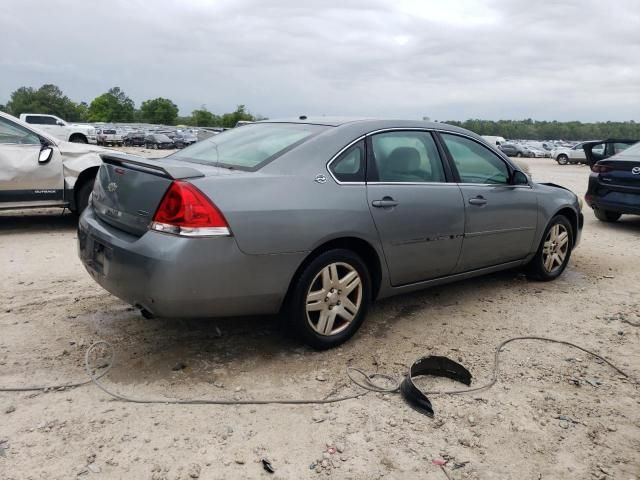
[
  {"x": 185, "y": 210},
  {"x": 599, "y": 168}
]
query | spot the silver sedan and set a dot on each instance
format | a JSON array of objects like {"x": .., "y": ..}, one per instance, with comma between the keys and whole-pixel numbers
[{"x": 316, "y": 219}]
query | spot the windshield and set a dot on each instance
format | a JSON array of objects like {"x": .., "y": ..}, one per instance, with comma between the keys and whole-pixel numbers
[{"x": 249, "y": 147}]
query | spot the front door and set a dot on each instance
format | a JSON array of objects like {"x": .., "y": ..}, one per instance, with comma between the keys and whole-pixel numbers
[
  {"x": 500, "y": 218},
  {"x": 419, "y": 215},
  {"x": 24, "y": 181}
]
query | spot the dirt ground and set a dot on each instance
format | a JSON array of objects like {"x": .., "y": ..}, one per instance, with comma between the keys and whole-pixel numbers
[{"x": 554, "y": 414}]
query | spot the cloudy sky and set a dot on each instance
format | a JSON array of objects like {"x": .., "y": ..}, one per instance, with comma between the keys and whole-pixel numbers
[{"x": 445, "y": 59}]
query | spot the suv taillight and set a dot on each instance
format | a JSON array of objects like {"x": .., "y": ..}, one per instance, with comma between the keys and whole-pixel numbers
[{"x": 186, "y": 211}]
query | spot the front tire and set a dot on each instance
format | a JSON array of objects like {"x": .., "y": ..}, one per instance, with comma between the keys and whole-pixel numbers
[
  {"x": 330, "y": 299},
  {"x": 606, "y": 215},
  {"x": 82, "y": 195},
  {"x": 519, "y": 154},
  {"x": 554, "y": 250},
  {"x": 562, "y": 159}
]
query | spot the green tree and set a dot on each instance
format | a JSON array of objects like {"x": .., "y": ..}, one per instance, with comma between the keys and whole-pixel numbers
[
  {"x": 46, "y": 99},
  {"x": 229, "y": 120},
  {"x": 159, "y": 110},
  {"x": 204, "y": 118},
  {"x": 113, "y": 106}
]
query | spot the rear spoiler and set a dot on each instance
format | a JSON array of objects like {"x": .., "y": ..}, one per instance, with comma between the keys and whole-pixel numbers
[
  {"x": 608, "y": 151},
  {"x": 149, "y": 166}
]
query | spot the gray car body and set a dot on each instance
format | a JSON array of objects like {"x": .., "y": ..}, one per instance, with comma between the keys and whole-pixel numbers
[{"x": 282, "y": 215}]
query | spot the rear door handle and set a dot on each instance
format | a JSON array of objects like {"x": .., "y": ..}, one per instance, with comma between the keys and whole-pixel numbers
[
  {"x": 386, "y": 202},
  {"x": 479, "y": 200}
]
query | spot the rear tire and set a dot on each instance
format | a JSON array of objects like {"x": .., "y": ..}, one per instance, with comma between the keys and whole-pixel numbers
[
  {"x": 554, "y": 251},
  {"x": 519, "y": 154},
  {"x": 77, "y": 138},
  {"x": 329, "y": 299},
  {"x": 606, "y": 215},
  {"x": 562, "y": 159}
]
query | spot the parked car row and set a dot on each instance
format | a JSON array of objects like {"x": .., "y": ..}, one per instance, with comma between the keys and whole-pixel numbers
[{"x": 149, "y": 138}]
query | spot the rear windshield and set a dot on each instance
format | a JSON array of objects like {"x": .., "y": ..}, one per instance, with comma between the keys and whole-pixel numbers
[{"x": 249, "y": 147}]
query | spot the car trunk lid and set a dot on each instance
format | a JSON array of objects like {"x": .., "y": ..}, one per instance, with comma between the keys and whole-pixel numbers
[
  {"x": 128, "y": 189},
  {"x": 624, "y": 173}
]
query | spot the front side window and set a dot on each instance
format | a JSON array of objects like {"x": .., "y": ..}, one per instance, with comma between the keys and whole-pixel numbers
[
  {"x": 349, "y": 166},
  {"x": 475, "y": 163},
  {"x": 249, "y": 147},
  {"x": 11, "y": 133},
  {"x": 409, "y": 156}
]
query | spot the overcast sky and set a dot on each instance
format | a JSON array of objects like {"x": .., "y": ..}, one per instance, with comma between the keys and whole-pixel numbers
[{"x": 445, "y": 59}]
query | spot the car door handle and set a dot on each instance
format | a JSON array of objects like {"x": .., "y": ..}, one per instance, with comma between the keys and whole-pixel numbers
[
  {"x": 386, "y": 202},
  {"x": 479, "y": 200}
]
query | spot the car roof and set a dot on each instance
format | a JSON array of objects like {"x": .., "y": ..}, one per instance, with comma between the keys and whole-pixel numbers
[{"x": 368, "y": 124}]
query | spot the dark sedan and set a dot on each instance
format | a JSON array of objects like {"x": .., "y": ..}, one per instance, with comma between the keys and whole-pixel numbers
[
  {"x": 614, "y": 183},
  {"x": 134, "y": 139},
  {"x": 514, "y": 150},
  {"x": 158, "y": 140}
]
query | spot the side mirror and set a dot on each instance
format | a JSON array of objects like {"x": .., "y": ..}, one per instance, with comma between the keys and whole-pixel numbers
[
  {"x": 60, "y": 124},
  {"x": 45, "y": 155},
  {"x": 519, "y": 178}
]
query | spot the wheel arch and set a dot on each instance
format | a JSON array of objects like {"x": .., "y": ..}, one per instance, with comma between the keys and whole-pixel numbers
[
  {"x": 85, "y": 176},
  {"x": 572, "y": 216},
  {"x": 358, "y": 245},
  {"x": 79, "y": 135}
]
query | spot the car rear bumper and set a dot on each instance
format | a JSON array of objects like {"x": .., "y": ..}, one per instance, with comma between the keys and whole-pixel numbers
[
  {"x": 173, "y": 276},
  {"x": 621, "y": 199}
]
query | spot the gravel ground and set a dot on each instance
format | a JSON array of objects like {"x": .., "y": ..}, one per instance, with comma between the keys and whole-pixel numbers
[{"x": 555, "y": 413}]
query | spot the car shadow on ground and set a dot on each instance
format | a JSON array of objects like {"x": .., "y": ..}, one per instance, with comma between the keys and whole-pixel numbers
[
  {"x": 37, "y": 221},
  {"x": 181, "y": 351}
]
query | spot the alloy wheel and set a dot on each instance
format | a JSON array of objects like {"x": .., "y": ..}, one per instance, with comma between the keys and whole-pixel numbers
[
  {"x": 555, "y": 248},
  {"x": 334, "y": 298}
]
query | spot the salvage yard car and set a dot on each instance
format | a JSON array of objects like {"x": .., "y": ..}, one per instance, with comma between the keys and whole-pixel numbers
[
  {"x": 109, "y": 136},
  {"x": 316, "y": 219},
  {"x": 158, "y": 140},
  {"x": 60, "y": 129},
  {"x": 38, "y": 170},
  {"x": 614, "y": 182}
]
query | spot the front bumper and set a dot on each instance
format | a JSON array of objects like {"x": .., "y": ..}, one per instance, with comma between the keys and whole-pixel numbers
[{"x": 173, "y": 276}]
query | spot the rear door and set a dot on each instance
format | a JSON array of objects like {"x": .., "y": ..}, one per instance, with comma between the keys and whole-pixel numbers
[
  {"x": 500, "y": 218},
  {"x": 24, "y": 181},
  {"x": 418, "y": 211}
]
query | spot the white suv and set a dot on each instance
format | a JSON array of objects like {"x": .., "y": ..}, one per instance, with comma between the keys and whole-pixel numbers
[{"x": 60, "y": 129}]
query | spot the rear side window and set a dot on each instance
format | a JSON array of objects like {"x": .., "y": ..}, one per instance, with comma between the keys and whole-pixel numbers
[
  {"x": 406, "y": 157},
  {"x": 474, "y": 162},
  {"x": 251, "y": 146},
  {"x": 40, "y": 120},
  {"x": 349, "y": 166}
]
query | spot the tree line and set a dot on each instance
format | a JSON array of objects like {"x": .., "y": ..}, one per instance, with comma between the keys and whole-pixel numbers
[
  {"x": 116, "y": 106},
  {"x": 552, "y": 130}
]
